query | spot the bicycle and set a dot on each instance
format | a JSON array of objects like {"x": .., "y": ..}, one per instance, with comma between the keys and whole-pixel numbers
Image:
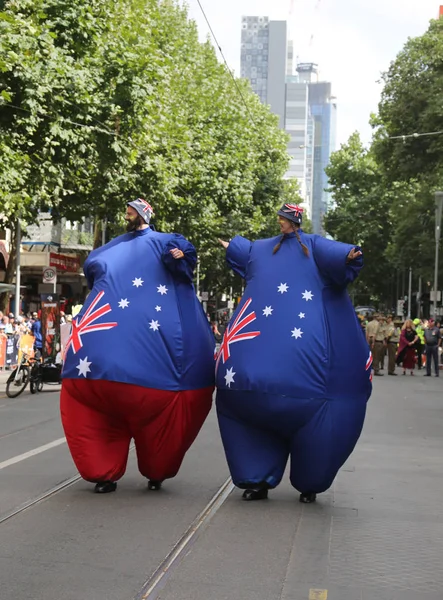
[{"x": 20, "y": 377}]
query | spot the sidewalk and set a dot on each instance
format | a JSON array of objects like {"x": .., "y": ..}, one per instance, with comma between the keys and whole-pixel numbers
[{"x": 376, "y": 535}]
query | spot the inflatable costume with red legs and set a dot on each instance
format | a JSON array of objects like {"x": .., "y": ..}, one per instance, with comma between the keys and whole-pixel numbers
[{"x": 140, "y": 360}]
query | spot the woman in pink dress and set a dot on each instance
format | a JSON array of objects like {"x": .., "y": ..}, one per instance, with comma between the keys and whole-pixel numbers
[{"x": 407, "y": 354}]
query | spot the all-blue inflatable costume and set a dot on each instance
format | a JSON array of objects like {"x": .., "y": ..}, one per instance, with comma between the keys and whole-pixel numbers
[{"x": 294, "y": 368}]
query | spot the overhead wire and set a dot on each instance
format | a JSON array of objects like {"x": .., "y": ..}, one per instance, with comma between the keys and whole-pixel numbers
[
  {"x": 413, "y": 135},
  {"x": 226, "y": 62}
]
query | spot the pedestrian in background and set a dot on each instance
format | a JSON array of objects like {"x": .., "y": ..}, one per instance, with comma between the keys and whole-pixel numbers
[
  {"x": 407, "y": 353},
  {"x": 392, "y": 338},
  {"x": 420, "y": 346},
  {"x": 433, "y": 341}
]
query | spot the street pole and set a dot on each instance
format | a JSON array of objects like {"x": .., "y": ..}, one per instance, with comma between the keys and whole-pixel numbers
[
  {"x": 18, "y": 244},
  {"x": 410, "y": 293},
  {"x": 419, "y": 298},
  {"x": 438, "y": 211}
]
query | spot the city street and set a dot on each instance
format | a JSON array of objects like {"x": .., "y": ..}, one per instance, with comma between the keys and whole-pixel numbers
[{"x": 376, "y": 535}]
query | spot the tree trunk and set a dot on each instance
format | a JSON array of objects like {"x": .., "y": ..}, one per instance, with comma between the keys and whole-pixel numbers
[
  {"x": 11, "y": 267},
  {"x": 97, "y": 233}
]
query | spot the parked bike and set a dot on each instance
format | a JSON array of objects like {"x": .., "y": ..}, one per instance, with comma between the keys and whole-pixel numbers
[{"x": 19, "y": 378}]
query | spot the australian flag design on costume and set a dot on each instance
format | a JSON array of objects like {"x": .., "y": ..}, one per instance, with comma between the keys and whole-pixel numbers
[
  {"x": 294, "y": 368},
  {"x": 142, "y": 322}
]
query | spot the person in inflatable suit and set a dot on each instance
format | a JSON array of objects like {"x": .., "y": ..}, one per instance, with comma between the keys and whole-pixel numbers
[
  {"x": 294, "y": 369},
  {"x": 139, "y": 363}
]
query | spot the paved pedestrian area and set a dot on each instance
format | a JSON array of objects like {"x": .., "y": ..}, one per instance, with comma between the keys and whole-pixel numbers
[{"x": 376, "y": 535}]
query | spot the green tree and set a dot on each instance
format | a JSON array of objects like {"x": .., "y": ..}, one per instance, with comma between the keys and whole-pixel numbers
[
  {"x": 104, "y": 102},
  {"x": 411, "y": 104},
  {"x": 361, "y": 215}
]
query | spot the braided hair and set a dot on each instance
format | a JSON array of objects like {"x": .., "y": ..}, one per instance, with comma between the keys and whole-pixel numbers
[{"x": 297, "y": 235}]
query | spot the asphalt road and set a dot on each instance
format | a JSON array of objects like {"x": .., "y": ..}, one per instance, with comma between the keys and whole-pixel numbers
[{"x": 376, "y": 535}]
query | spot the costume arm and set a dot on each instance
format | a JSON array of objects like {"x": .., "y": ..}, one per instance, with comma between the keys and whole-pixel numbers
[
  {"x": 332, "y": 260},
  {"x": 89, "y": 274},
  {"x": 182, "y": 268},
  {"x": 237, "y": 255}
]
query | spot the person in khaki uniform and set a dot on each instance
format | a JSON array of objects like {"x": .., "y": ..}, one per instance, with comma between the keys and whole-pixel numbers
[
  {"x": 392, "y": 339},
  {"x": 379, "y": 345},
  {"x": 371, "y": 331}
]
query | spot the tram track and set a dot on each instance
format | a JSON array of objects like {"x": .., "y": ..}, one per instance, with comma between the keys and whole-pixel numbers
[
  {"x": 56, "y": 489},
  {"x": 28, "y": 428},
  {"x": 39, "y": 499},
  {"x": 157, "y": 581},
  {"x": 159, "y": 577}
]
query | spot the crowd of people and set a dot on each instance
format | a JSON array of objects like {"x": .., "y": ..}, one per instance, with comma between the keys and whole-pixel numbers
[{"x": 409, "y": 344}]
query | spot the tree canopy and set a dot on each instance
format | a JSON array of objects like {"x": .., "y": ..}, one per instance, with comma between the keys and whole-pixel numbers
[
  {"x": 102, "y": 102},
  {"x": 383, "y": 195}
]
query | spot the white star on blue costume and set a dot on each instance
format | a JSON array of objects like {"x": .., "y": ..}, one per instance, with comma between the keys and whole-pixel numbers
[
  {"x": 123, "y": 303},
  {"x": 298, "y": 391},
  {"x": 83, "y": 367}
]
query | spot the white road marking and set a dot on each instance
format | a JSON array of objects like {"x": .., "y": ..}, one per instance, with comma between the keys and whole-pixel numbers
[{"x": 39, "y": 450}]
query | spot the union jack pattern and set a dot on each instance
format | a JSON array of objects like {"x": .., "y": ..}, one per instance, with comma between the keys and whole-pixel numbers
[
  {"x": 145, "y": 206},
  {"x": 233, "y": 335},
  {"x": 295, "y": 208},
  {"x": 369, "y": 365},
  {"x": 85, "y": 325}
]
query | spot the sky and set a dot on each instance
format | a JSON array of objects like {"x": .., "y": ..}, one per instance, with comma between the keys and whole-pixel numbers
[{"x": 352, "y": 41}]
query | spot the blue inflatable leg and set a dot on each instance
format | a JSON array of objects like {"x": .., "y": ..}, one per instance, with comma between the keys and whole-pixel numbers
[
  {"x": 254, "y": 456},
  {"x": 321, "y": 447}
]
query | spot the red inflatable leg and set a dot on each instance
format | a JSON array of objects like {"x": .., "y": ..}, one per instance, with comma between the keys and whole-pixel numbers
[
  {"x": 164, "y": 432},
  {"x": 97, "y": 438}
]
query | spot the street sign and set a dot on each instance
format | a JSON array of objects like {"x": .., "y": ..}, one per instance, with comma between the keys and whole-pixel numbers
[
  {"x": 49, "y": 275},
  {"x": 400, "y": 307},
  {"x": 204, "y": 296},
  {"x": 230, "y": 303}
]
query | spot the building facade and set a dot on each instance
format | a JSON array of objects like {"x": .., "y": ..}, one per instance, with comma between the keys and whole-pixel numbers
[
  {"x": 62, "y": 246},
  {"x": 297, "y": 117},
  {"x": 323, "y": 111},
  {"x": 264, "y": 47}
]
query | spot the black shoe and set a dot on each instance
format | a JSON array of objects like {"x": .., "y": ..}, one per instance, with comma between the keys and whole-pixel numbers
[
  {"x": 393, "y": 374},
  {"x": 260, "y": 494},
  {"x": 105, "y": 487},
  {"x": 308, "y": 497},
  {"x": 154, "y": 485},
  {"x": 378, "y": 374},
  {"x": 427, "y": 375}
]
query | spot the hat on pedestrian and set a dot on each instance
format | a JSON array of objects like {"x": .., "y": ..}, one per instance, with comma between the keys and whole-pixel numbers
[
  {"x": 292, "y": 212},
  {"x": 416, "y": 321},
  {"x": 143, "y": 208}
]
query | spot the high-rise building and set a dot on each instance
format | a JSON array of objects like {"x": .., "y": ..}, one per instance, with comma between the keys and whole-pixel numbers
[
  {"x": 323, "y": 110},
  {"x": 297, "y": 119},
  {"x": 304, "y": 105},
  {"x": 263, "y": 60}
]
